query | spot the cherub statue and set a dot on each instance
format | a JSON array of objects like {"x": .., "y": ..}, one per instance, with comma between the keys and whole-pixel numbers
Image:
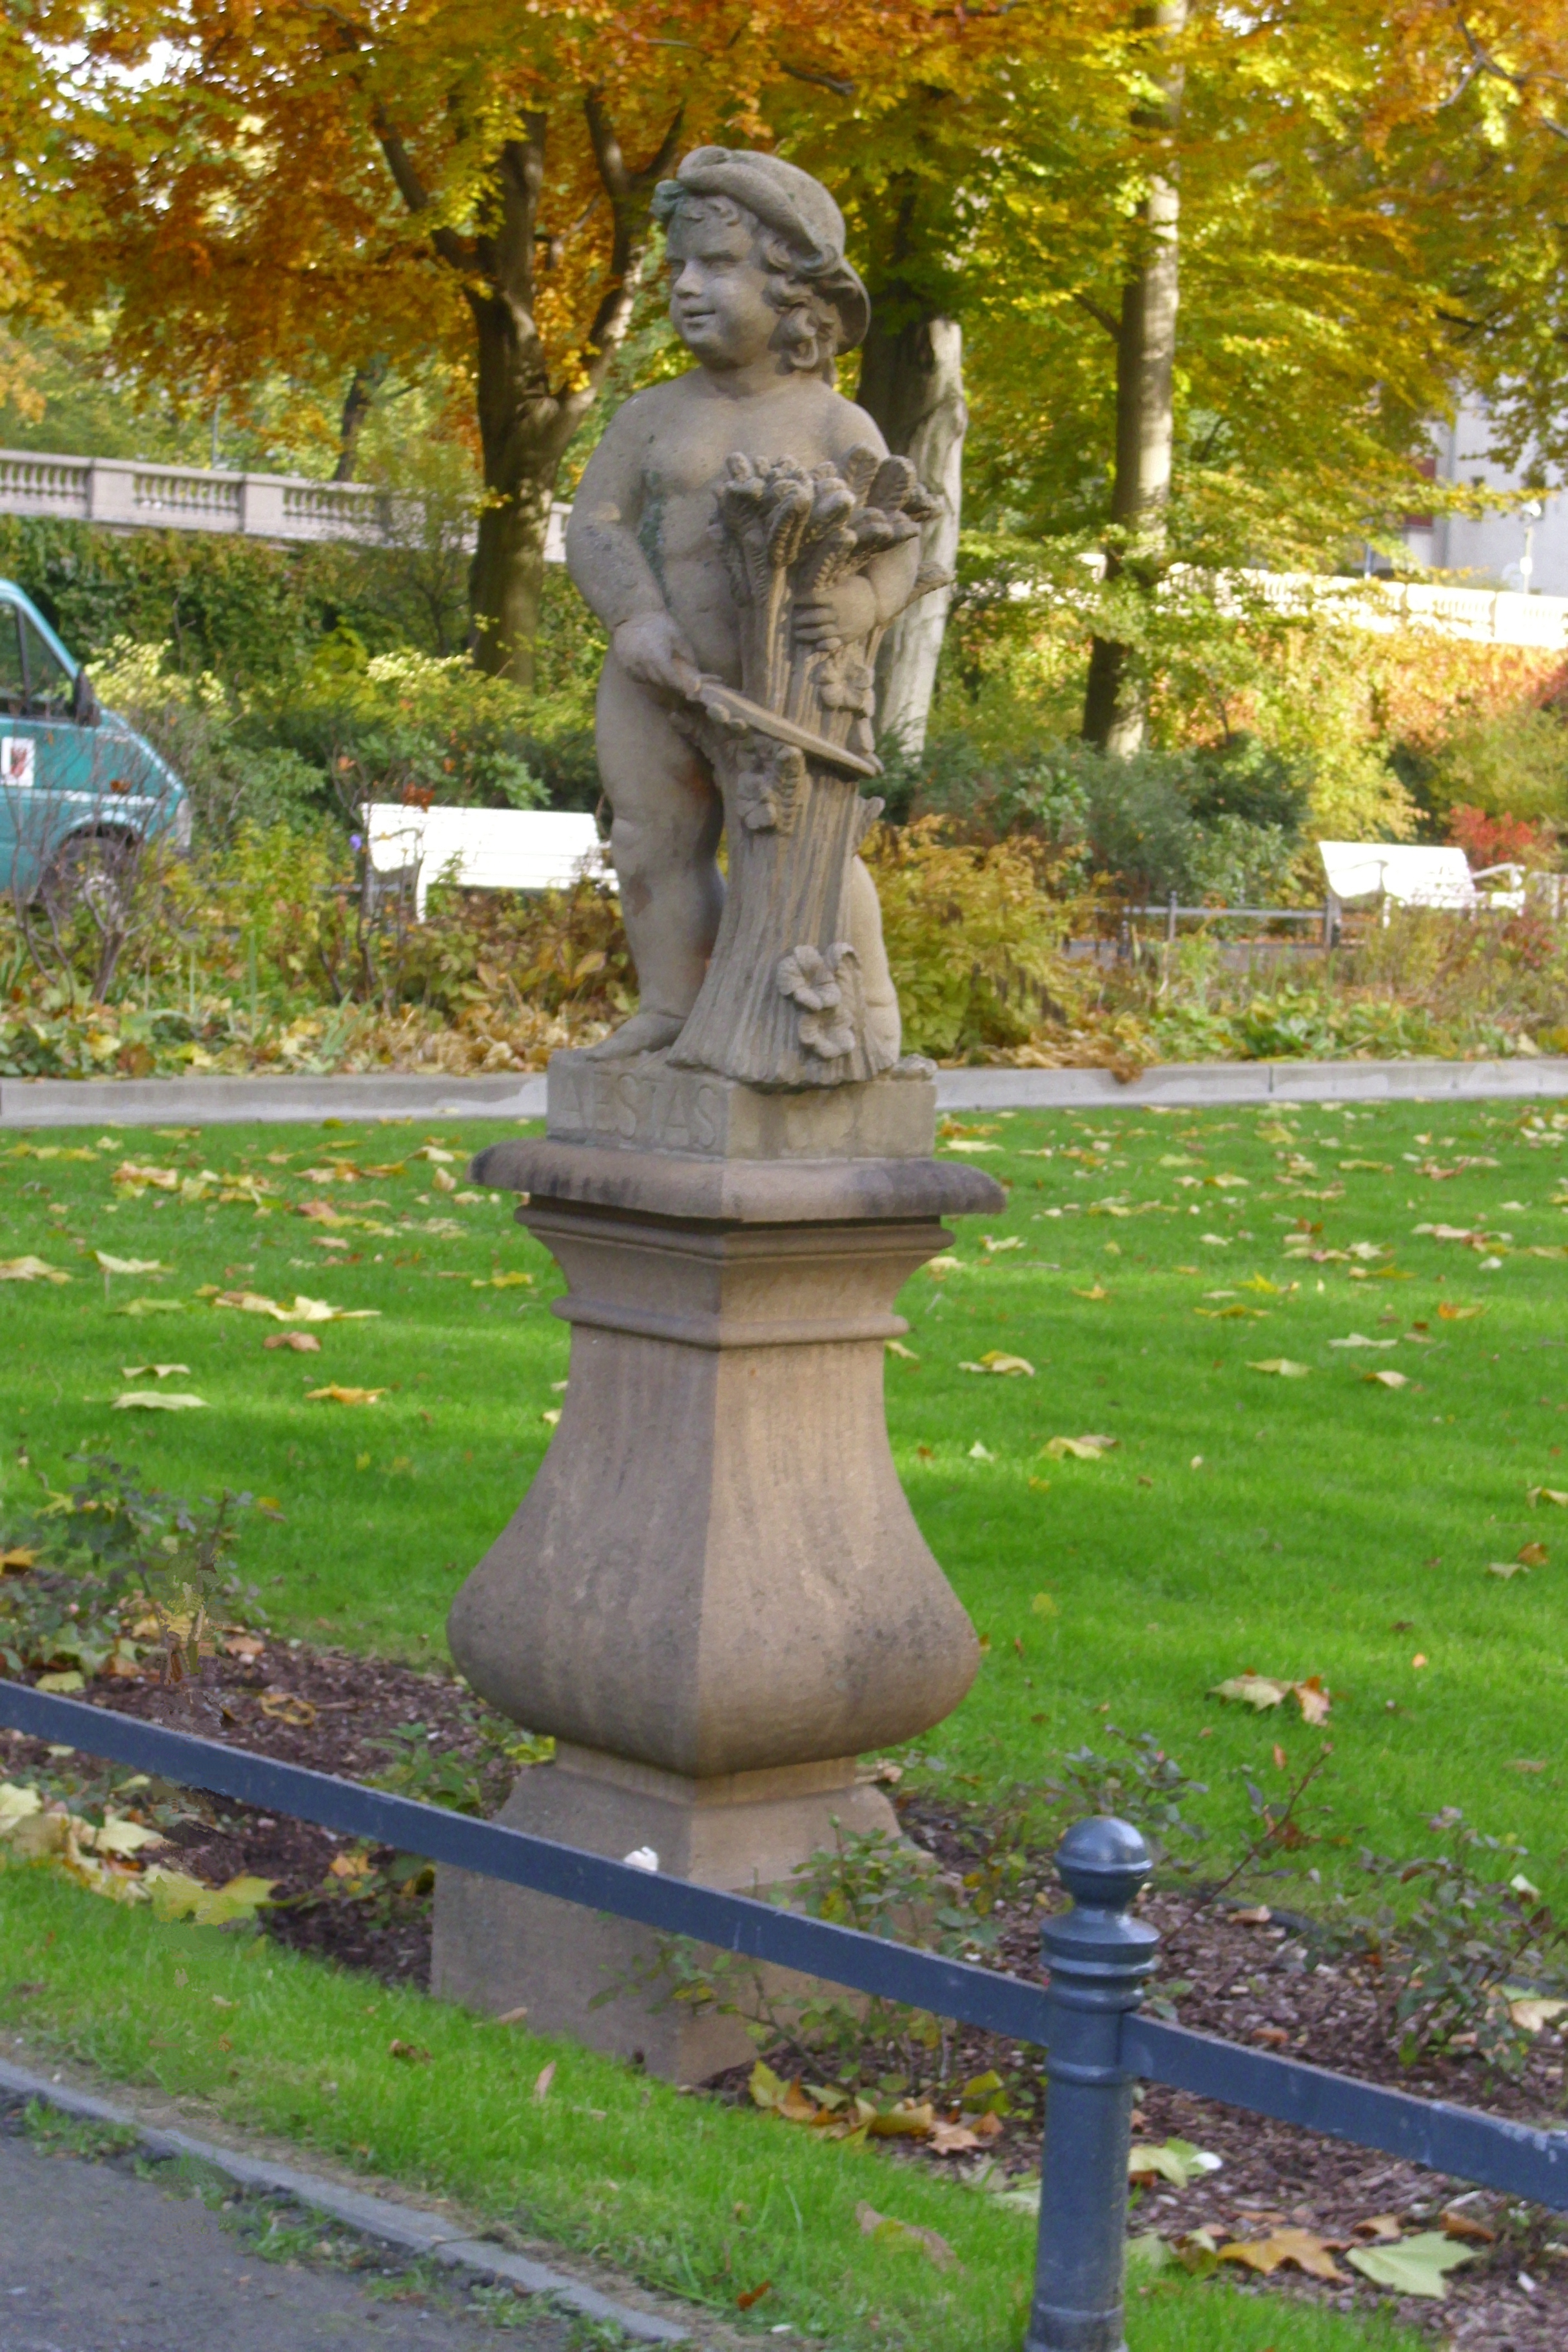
[{"x": 745, "y": 539}]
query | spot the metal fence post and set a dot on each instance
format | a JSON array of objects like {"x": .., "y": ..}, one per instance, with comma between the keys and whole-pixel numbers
[{"x": 1098, "y": 1957}]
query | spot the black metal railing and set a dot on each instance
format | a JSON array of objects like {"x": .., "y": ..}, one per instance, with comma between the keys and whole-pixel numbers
[{"x": 1084, "y": 2018}]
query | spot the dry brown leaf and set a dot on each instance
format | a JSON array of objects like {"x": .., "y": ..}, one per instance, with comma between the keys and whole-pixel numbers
[
  {"x": 1379, "y": 2226},
  {"x": 1464, "y": 2225},
  {"x": 1533, "y": 1555},
  {"x": 1300, "y": 2248},
  {"x": 1386, "y": 1380},
  {"x": 282, "y": 1707},
  {"x": 409, "y": 2052},
  {"x": 953, "y": 2139},
  {"x": 304, "y": 1343},
  {"x": 543, "y": 2080}
]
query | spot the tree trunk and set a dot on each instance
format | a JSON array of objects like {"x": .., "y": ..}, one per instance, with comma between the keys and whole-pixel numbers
[
  {"x": 1116, "y": 697},
  {"x": 358, "y": 401},
  {"x": 526, "y": 421},
  {"x": 911, "y": 382}
]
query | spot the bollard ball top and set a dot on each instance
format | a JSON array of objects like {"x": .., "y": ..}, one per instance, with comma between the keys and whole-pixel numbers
[{"x": 1103, "y": 1862}]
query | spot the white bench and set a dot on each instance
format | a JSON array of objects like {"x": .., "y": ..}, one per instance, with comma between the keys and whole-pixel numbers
[
  {"x": 484, "y": 849},
  {"x": 1403, "y": 874}
]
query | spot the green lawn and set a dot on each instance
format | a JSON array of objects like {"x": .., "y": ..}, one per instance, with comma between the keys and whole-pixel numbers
[
  {"x": 698, "y": 2198},
  {"x": 1331, "y": 1525}
]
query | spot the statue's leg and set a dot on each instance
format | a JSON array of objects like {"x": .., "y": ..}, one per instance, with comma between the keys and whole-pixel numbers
[
  {"x": 880, "y": 997},
  {"x": 667, "y": 820}
]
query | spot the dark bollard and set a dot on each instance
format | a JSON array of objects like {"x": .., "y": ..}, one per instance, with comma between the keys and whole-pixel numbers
[{"x": 1099, "y": 1959}]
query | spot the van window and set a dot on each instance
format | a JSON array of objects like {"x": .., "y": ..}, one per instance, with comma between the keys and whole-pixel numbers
[
  {"x": 12, "y": 682},
  {"x": 48, "y": 680}
]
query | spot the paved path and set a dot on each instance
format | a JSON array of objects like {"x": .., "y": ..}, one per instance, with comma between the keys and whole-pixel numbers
[
  {"x": 94, "y": 2260},
  {"x": 155, "y": 1102}
]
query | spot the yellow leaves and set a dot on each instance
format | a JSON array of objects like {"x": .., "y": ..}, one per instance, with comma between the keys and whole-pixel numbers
[
  {"x": 159, "y": 1180},
  {"x": 303, "y": 1310},
  {"x": 993, "y": 1361},
  {"x": 1078, "y": 1449},
  {"x": 502, "y": 1282},
  {"x": 1413, "y": 2266},
  {"x": 1302, "y": 2249},
  {"x": 967, "y": 1143},
  {"x": 16, "y": 1556},
  {"x": 940, "y": 1267},
  {"x": 31, "y": 1269},
  {"x": 992, "y": 1247},
  {"x": 434, "y": 1155},
  {"x": 1175, "y": 2160},
  {"x": 1281, "y": 1366},
  {"x": 981, "y": 1452},
  {"x": 176, "y": 1896},
  {"x": 1095, "y": 1291},
  {"x": 129, "y": 1264},
  {"x": 1534, "y": 1495},
  {"x": 1385, "y": 1378},
  {"x": 1265, "y": 1691},
  {"x": 897, "y": 1348},
  {"x": 1532, "y": 2014},
  {"x": 137, "y": 1307},
  {"x": 1450, "y": 1313},
  {"x": 1507, "y": 1569},
  {"x": 1360, "y": 1339},
  {"x": 156, "y": 1401},
  {"x": 1370, "y": 1167},
  {"x": 1236, "y": 1313},
  {"x": 283, "y": 1707},
  {"x": 891, "y": 2232},
  {"x": 1044, "y": 1605},
  {"x": 335, "y": 1394},
  {"x": 159, "y": 1372}
]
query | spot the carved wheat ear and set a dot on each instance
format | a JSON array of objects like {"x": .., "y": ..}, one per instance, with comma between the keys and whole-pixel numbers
[{"x": 860, "y": 470}]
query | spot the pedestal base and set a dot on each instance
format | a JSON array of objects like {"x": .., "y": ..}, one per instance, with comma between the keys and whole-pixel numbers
[{"x": 500, "y": 1947}]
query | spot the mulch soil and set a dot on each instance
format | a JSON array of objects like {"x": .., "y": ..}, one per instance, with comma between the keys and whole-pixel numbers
[{"x": 1256, "y": 1982}]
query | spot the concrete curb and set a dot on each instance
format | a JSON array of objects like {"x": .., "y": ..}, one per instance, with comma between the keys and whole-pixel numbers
[
  {"x": 372, "y": 2217},
  {"x": 1177, "y": 1086}
]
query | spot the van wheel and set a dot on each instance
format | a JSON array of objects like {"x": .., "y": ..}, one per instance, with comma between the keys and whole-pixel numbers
[{"x": 95, "y": 870}]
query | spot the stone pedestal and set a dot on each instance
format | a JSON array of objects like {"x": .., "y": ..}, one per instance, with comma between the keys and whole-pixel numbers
[{"x": 714, "y": 1592}]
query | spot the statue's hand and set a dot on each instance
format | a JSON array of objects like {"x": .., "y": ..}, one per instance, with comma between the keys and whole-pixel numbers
[
  {"x": 847, "y": 611},
  {"x": 653, "y": 648}
]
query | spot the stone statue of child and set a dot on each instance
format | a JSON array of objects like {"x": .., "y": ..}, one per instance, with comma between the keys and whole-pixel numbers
[{"x": 762, "y": 297}]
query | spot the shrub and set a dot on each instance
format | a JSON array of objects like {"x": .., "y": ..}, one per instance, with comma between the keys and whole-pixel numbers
[{"x": 972, "y": 937}]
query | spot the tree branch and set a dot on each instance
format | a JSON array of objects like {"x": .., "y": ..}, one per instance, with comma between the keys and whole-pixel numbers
[
  {"x": 1483, "y": 62},
  {"x": 452, "y": 249},
  {"x": 1101, "y": 318}
]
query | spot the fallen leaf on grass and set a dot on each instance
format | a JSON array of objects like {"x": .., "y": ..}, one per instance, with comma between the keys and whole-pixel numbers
[
  {"x": 990, "y": 1245},
  {"x": 1360, "y": 1339},
  {"x": 1546, "y": 1495},
  {"x": 136, "y": 1308},
  {"x": 992, "y": 1361},
  {"x": 883, "y": 2226},
  {"x": 1505, "y": 1569},
  {"x": 1379, "y": 2227},
  {"x": 1095, "y": 1291},
  {"x": 953, "y": 2139},
  {"x": 1282, "y": 1365},
  {"x": 1452, "y": 1313},
  {"x": 304, "y": 1343},
  {"x": 334, "y": 1395},
  {"x": 31, "y": 1269},
  {"x": 1300, "y": 2248},
  {"x": 1415, "y": 2266},
  {"x": 1386, "y": 1380},
  {"x": 543, "y": 2080},
  {"x": 941, "y": 1265},
  {"x": 282, "y": 1707},
  {"x": 178, "y": 1897},
  {"x": 502, "y": 1282},
  {"x": 303, "y": 1310},
  {"x": 753, "y": 2294},
  {"x": 409, "y": 2052},
  {"x": 152, "y": 1401},
  {"x": 1264, "y": 1691},
  {"x": 952, "y": 1145},
  {"x": 1533, "y": 1555},
  {"x": 1175, "y": 2160},
  {"x": 129, "y": 1264},
  {"x": 897, "y": 1348},
  {"x": 1044, "y": 1605},
  {"x": 1078, "y": 1449}
]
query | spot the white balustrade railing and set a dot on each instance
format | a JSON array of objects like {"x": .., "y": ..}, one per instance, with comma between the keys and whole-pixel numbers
[{"x": 132, "y": 494}]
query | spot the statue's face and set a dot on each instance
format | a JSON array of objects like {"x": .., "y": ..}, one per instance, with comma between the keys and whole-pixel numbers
[{"x": 717, "y": 289}]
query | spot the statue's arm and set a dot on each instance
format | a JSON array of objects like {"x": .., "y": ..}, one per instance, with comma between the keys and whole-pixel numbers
[{"x": 611, "y": 572}]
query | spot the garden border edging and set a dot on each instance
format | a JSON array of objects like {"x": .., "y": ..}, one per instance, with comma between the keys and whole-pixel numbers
[
  {"x": 397, "y": 1094},
  {"x": 408, "y": 2226}
]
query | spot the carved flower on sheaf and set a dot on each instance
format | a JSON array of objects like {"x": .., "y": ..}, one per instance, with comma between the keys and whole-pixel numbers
[{"x": 814, "y": 979}]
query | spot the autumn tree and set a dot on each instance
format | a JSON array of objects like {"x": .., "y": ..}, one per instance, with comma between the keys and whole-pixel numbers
[{"x": 327, "y": 186}]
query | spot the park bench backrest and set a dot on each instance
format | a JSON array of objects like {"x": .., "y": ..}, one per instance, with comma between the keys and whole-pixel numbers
[
  {"x": 484, "y": 849},
  {"x": 1400, "y": 871}
]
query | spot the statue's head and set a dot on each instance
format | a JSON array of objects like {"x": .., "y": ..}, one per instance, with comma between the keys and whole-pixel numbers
[{"x": 756, "y": 254}]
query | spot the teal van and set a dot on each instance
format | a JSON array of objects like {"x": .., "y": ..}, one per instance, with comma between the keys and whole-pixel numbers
[{"x": 79, "y": 790}]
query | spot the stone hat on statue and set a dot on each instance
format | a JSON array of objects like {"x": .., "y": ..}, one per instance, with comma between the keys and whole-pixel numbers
[{"x": 794, "y": 206}]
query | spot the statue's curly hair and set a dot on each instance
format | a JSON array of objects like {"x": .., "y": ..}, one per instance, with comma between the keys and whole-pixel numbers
[{"x": 809, "y": 287}]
